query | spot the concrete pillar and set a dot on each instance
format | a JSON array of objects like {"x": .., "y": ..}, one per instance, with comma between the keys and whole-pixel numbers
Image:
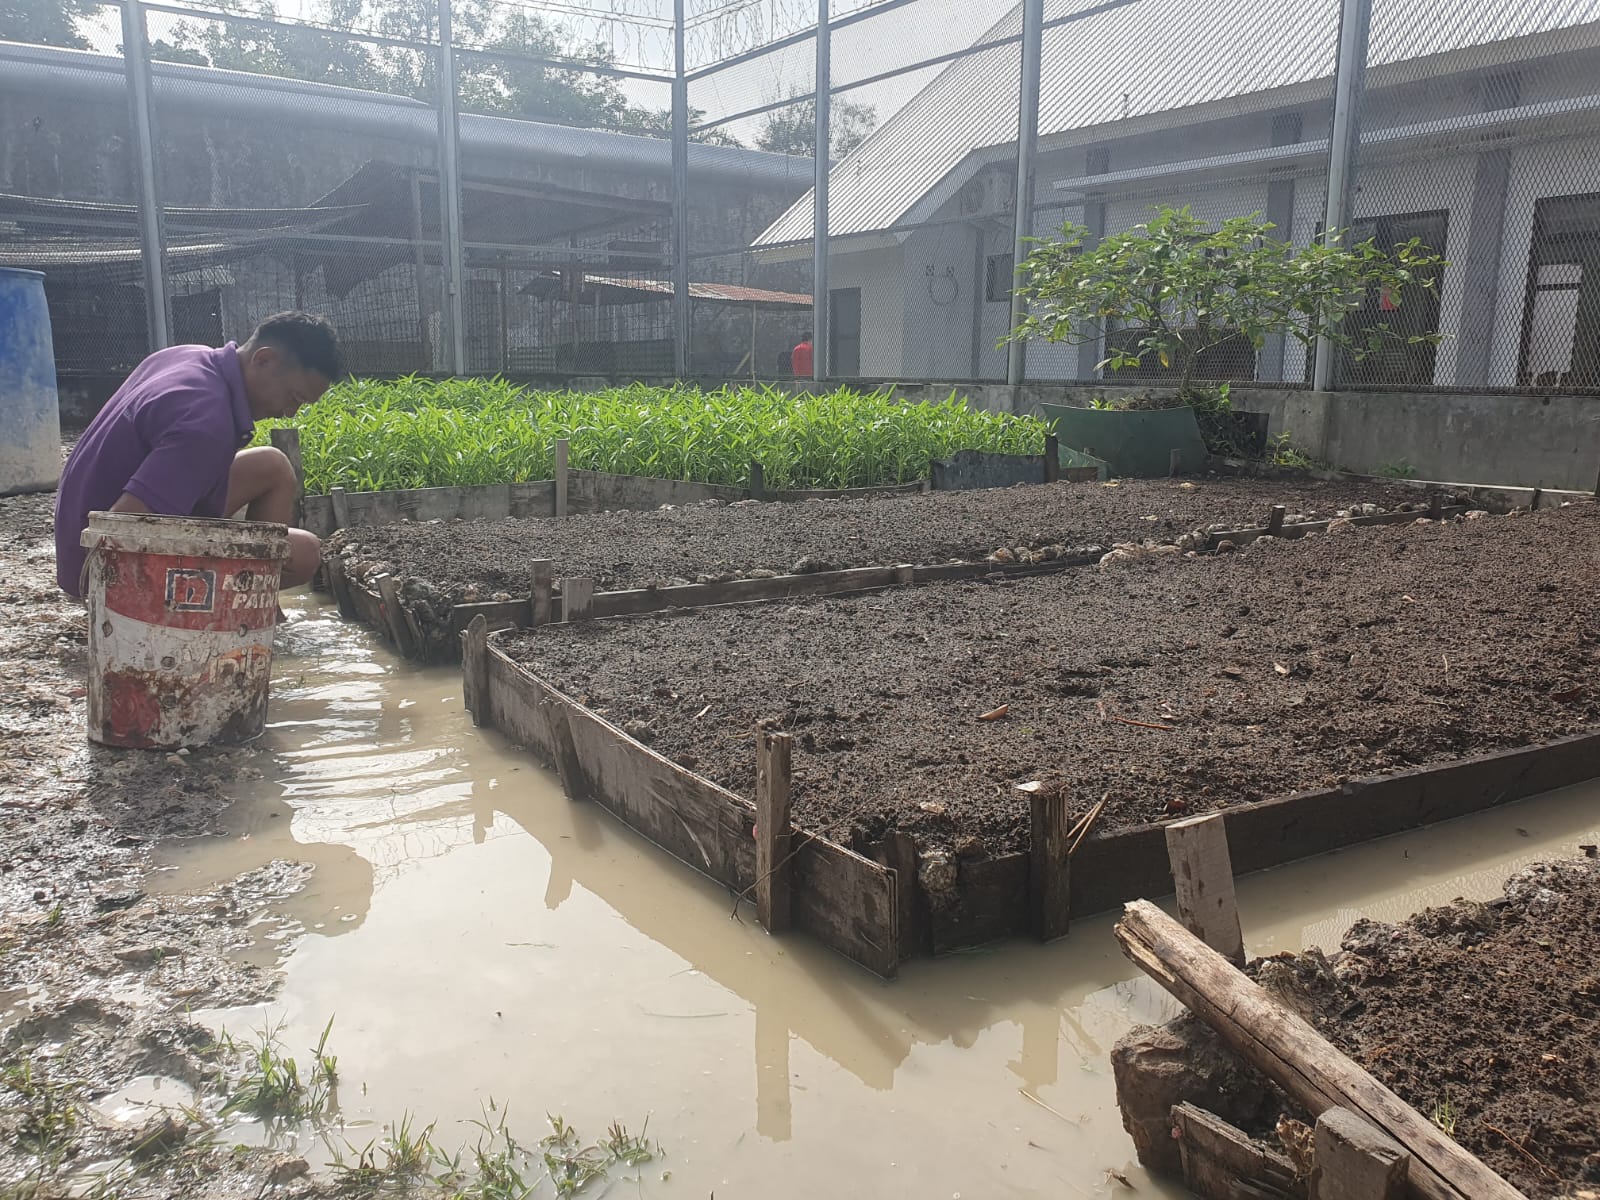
[{"x": 1480, "y": 264}]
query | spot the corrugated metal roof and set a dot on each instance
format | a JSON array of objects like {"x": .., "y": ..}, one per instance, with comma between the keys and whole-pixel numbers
[
  {"x": 1135, "y": 59},
  {"x": 730, "y": 293}
]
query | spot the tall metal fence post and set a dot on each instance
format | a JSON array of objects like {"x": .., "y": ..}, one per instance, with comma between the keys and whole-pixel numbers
[
  {"x": 822, "y": 148},
  {"x": 152, "y": 231},
  {"x": 1355, "y": 22},
  {"x": 1027, "y": 144},
  {"x": 450, "y": 198},
  {"x": 682, "y": 315}
]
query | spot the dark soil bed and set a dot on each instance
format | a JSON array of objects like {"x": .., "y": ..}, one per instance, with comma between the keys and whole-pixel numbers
[
  {"x": 1486, "y": 1018},
  {"x": 1174, "y": 684},
  {"x": 439, "y": 564}
]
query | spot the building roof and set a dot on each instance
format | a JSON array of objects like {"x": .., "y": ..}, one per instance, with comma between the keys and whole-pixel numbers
[{"x": 1117, "y": 67}]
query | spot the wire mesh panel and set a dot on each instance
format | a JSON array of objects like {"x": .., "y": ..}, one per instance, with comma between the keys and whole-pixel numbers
[
  {"x": 69, "y": 195},
  {"x": 1194, "y": 116},
  {"x": 1478, "y": 127}
]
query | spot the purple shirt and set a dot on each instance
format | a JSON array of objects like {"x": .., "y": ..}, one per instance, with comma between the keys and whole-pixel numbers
[{"x": 167, "y": 437}]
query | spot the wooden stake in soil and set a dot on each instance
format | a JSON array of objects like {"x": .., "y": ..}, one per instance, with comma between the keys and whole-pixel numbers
[
  {"x": 1294, "y": 1056},
  {"x": 337, "y": 580},
  {"x": 773, "y": 831},
  {"x": 288, "y": 441},
  {"x": 577, "y": 597},
  {"x": 1354, "y": 1159},
  {"x": 900, "y": 856},
  {"x": 543, "y": 572},
  {"x": 1052, "y": 458},
  {"x": 1049, "y": 873},
  {"x": 1275, "y": 520},
  {"x": 475, "y": 669},
  {"x": 758, "y": 481},
  {"x": 341, "y": 508},
  {"x": 389, "y": 593},
  {"x": 1435, "y": 505},
  {"x": 1202, "y": 876},
  {"x": 562, "y": 447}
]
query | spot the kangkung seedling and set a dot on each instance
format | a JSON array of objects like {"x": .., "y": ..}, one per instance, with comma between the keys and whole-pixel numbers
[
  {"x": 415, "y": 432},
  {"x": 270, "y": 1086}
]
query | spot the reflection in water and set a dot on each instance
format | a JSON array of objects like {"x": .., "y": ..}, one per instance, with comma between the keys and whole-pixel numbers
[{"x": 501, "y": 941}]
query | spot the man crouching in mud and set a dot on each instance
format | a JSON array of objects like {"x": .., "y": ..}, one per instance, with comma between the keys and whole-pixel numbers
[{"x": 171, "y": 440}]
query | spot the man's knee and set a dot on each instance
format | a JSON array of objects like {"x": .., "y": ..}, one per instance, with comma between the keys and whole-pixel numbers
[
  {"x": 305, "y": 556},
  {"x": 266, "y": 468}
]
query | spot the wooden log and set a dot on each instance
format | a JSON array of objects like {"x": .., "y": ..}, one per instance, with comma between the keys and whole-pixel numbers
[
  {"x": 577, "y": 597},
  {"x": 475, "y": 669},
  {"x": 1353, "y": 1159},
  {"x": 1052, "y": 458},
  {"x": 758, "y": 481},
  {"x": 774, "y": 869},
  {"x": 389, "y": 593},
  {"x": 1294, "y": 1056},
  {"x": 1202, "y": 876},
  {"x": 288, "y": 441},
  {"x": 1049, "y": 871},
  {"x": 562, "y": 448},
  {"x": 341, "y": 508},
  {"x": 1218, "y": 1159},
  {"x": 1275, "y": 520},
  {"x": 542, "y": 570}
]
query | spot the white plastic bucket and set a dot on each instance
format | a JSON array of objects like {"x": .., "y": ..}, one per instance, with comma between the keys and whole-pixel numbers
[{"x": 181, "y": 617}]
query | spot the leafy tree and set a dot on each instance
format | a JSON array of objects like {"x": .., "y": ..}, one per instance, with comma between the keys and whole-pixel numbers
[
  {"x": 45, "y": 22},
  {"x": 793, "y": 130},
  {"x": 1176, "y": 287}
]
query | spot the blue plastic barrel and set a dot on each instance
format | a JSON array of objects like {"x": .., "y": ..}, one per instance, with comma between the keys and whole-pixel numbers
[{"x": 30, "y": 413}]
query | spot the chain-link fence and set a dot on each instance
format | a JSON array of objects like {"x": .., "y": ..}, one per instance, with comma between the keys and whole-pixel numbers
[{"x": 625, "y": 188}]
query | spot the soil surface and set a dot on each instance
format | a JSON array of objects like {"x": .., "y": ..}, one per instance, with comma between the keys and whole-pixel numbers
[
  {"x": 1173, "y": 684},
  {"x": 442, "y": 563},
  {"x": 1486, "y": 1018},
  {"x": 96, "y": 976}
]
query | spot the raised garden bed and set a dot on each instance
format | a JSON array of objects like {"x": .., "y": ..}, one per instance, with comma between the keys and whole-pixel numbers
[
  {"x": 1320, "y": 692},
  {"x": 437, "y": 568},
  {"x": 1480, "y": 1016}
]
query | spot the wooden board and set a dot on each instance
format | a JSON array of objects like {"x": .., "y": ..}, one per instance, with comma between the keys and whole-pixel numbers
[
  {"x": 1243, "y": 537},
  {"x": 1217, "y": 1158},
  {"x": 847, "y": 902}
]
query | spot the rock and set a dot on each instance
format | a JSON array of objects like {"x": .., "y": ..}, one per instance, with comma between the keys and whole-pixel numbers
[
  {"x": 1226, "y": 546},
  {"x": 761, "y": 573},
  {"x": 970, "y": 846},
  {"x": 1476, "y": 514},
  {"x": 161, "y": 1133},
  {"x": 811, "y": 565},
  {"x": 1156, "y": 1067},
  {"x": 290, "y": 1168},
  {"x": 1340, "y": 524},
  {"x": 1002, "y": 555},
  {"x": 638, "y": 730},
  {"x": 936, "y": 871},
  {"x": 143, "y": 955}
]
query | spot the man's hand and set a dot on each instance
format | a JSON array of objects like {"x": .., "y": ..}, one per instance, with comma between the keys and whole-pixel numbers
[{"x": 128, "y": 503}]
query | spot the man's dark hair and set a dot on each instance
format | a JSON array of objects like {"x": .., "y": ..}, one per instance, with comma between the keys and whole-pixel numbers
[{"x": 309, "y": 339}]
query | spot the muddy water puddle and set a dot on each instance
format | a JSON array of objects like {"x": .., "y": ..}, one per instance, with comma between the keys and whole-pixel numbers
[{"x": 473, "y": 935}]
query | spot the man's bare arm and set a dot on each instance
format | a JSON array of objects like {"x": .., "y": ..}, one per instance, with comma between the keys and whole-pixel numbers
[{"x": 128, "y": 503}]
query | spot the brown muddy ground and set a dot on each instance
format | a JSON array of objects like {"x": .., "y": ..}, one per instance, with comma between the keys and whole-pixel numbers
[
  {"x": 445, "y": 563},
  {"x": 1175, "y": 684},
  {"x": 1486, "y": 1018},
  {"x": 96, "y": 977}
]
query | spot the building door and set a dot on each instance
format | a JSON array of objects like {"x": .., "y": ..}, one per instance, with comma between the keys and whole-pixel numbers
[
  {"x": 844, "y": 333},
  {"x": 1561, "y": 315}
]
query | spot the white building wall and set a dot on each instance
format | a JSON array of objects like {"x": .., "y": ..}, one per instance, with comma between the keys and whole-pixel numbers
[
  {"x": 881, "y": 276},
  {"x": 940, "y": 292}
]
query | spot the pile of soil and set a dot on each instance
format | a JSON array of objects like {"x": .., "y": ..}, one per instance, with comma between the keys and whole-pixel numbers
[
  {"x": 1483, "y": 1017},
  {"x": 442, "y": 563},
  {"x": 1174, "y": 684}
]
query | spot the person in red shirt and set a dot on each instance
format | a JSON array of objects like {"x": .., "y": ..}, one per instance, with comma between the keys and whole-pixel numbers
[{"x": 800, "y": 361}]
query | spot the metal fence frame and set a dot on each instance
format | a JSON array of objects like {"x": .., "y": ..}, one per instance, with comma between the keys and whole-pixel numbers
[{"x": 1340, "y": 162}]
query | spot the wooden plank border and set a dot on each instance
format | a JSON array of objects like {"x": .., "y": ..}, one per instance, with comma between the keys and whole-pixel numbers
[{"x": 847, "y": 902}]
